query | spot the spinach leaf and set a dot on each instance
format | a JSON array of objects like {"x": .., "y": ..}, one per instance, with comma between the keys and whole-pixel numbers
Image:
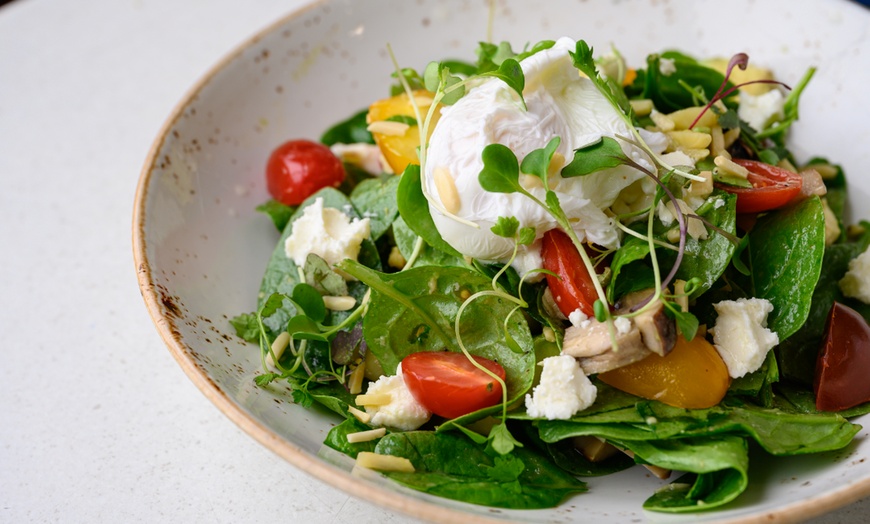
[
  {"x": 278, "y": 212},
  {"x": 414, "y": 209},
  {"x": 282, "y": 274},
  {"x": 786, "y": 249},
  {"x": 375, "y": 199},
  {"x": 707, "y": 259},
  {"x": 802, "y": 400},
  {"x": 797, "y": 354},
  {"x": 668, "y": 92},
  {"x": 337, "y": 438},
  {"x": 354, "y": 130},
  {"x": 450, "y": 465},
  {"x": 720, "y": 465},
  {"x": 633, "y": 250},
  {"x": 778, "y": 432},
  {"x": 415, "y": 311},
  {"x": 406, "y": 240}
]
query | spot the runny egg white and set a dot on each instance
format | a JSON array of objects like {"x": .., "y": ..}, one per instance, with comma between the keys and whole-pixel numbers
[{"x": 560, "y": 103}]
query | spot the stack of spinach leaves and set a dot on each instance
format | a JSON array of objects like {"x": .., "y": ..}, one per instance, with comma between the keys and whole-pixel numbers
[{"x": 521, "y": 462}]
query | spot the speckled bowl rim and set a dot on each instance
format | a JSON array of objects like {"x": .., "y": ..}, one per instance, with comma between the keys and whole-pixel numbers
[{"x": 296, "y": 456}]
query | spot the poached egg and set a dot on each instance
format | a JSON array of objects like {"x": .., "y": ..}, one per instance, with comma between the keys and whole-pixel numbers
[{"x": 560, "y": 103}]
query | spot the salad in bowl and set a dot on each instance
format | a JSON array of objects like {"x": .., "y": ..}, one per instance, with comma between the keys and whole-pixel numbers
[{"x": 516, "y": 272}]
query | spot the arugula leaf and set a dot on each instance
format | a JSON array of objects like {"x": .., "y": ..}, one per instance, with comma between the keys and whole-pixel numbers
[
  {"x": 246, "y": 326},
  {"x": 602, "y": 154},
  {"x": 667, "y": 91},
  {"x": 278, "y": 212},
  {"x": 450, "y": 465},
  {"x": 506, "y": 227},
  {"x": 777, "y": 131}
]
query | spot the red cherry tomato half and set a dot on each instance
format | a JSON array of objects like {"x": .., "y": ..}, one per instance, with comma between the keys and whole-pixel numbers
[
  {"x": 449, "y": 385},
  {"x": 299, "y": 168},
  {"x": 841, "y": 368},
  {"x": 574, "y": 288},
  {"x": 772, "y": 187}
]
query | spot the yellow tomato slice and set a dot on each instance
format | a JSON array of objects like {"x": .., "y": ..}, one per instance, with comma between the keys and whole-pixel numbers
[
  {"x": 692, "y": 375},
  {"x": 399, "y": 150}
]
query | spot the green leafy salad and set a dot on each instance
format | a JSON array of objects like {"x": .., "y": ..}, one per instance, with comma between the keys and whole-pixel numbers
[{"x": 512, "y": 274}]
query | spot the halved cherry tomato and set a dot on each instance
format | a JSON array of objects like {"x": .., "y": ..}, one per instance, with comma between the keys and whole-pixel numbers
[
  {"x": 449, "y": 385},
  {"x": 841, "y": 369},
  {"x": 574, "y": 288},
  {"x": 299, "y": 168},
  {"x": 772, "y": 187}
]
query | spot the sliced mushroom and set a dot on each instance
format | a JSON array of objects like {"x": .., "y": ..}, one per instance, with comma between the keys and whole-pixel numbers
[
  {"x": 651, "y": 332},
  {"x": 591, "y": 346},
  {"x": 659, "y": 332}
]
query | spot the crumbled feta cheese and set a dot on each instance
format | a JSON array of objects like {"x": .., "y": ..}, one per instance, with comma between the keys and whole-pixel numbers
[
  {"x": 578, "y": 319},
  {"x": 403, "y": 411},
  {"x": 365, "y": 156},
  {"x": 741, "y": 336},
  {"x": 622, "y": 325},
  {"x": 760, "y": 111},
  {"x": 563, "y": 391},
  {"x": 856, "y": 282},
  {"x": 667, "y": 66},
  {"x": 326, "y": 232}
]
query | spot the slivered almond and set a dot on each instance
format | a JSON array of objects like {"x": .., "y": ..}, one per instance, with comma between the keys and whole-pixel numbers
[
  {"x": 730, "y": 136},
  {"x": 683, "y": 118},
  {"x": 447, "y": 190},
  {"x": 369, "y": 460},
  {"x": 366, "y": 436},
  {"x": 641, "y": 107},
  {"x": 355, "y": 380},
  {"x": 339, "y": 303},
  {"x": 690, "y": 139},
  {"x": 278, "y": 346},
  {"x": 717, "y": 144},
  {"x": 702, "y": 189},
  {"x": 827, "y": 171},
  {"x": 396, "y": 259},
  {"x": 388, "y": 128},
  {"x": 362, "y": 416},
  {"x": 662, "y": 121},
  {"x": 680, "y": 296},
  {"x": 728, "y": 167},
  {"x": 373, "y": 400}
]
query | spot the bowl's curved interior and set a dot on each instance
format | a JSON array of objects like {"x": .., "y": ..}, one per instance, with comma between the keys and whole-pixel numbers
[{"x": 201, "y": 248}]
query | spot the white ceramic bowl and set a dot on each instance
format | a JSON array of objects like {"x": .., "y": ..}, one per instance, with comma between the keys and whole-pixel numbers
[{"x": 201, "y": 248}]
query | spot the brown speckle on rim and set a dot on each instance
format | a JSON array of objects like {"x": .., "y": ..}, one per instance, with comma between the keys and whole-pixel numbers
[
  {"x": 279, "y": 89},
  {"x": 426, "y": 22}
]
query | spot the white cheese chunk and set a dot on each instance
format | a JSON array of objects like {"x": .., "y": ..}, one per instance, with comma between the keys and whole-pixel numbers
[
  {"x": 326, "y": 232},
  {"x": 741, "y": 336},
  {"x": 760, "y": 111},
  {"x": 563, "y": 391},
  {"x": 403, "y": 411},
  {"x": 856, "y": 282}
]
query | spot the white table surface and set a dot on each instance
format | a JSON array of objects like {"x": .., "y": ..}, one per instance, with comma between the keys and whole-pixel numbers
[{"x": 97, "y": 422}]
